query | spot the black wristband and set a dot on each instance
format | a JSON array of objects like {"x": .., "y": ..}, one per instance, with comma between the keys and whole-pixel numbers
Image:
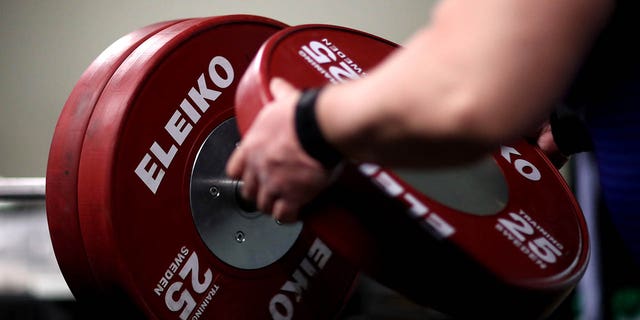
[
  {"x": 569, "y": 132},
  {"x": 309, "y": 134}
]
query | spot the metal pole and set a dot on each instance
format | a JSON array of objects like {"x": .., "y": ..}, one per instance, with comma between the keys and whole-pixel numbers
[{"x": 12, "y": 189}]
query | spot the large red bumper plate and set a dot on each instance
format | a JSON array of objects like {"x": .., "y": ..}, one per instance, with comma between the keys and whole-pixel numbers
[{"x": 513, "y": 244}]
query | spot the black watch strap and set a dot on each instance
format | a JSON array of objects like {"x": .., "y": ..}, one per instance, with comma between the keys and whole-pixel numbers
[
  {"x": 569, "y": 131},
  {"x": 309, "y": 133}
]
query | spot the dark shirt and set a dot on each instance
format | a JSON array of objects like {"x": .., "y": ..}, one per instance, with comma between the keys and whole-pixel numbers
[{"x": 606, "y": 93}]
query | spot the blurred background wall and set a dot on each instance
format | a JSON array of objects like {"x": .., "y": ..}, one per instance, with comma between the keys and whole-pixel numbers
[{"x": 46, "y": 45}]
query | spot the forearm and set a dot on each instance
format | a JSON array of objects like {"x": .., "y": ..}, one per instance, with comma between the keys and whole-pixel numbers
[
  {"x": 484, "y": 72},
  {"x": 365, "y": 123}
]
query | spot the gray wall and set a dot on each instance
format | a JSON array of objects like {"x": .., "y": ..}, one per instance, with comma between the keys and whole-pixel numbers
[{"x": 46, "y": 45}]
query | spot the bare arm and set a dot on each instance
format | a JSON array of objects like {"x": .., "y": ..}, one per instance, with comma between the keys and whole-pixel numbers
[{"x": 482, "y": 73}]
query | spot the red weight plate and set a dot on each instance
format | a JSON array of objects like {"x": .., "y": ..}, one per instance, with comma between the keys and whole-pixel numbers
[
  {"x": 159, "y": 218},
  {"x": 500, "y": 237},
  {"x": 64, "y": 158}
]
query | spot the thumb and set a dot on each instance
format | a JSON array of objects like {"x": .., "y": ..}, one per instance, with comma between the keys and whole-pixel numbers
[{"x": 280, "y": 88}]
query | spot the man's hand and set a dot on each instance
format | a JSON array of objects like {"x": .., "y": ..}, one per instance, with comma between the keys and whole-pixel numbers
[{"x": 277, "y": 173}]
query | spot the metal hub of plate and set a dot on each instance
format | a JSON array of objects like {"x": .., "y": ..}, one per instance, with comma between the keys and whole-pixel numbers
[
  {"x": 234, "y": 233},
  {"x": 479, "y": 188}
]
